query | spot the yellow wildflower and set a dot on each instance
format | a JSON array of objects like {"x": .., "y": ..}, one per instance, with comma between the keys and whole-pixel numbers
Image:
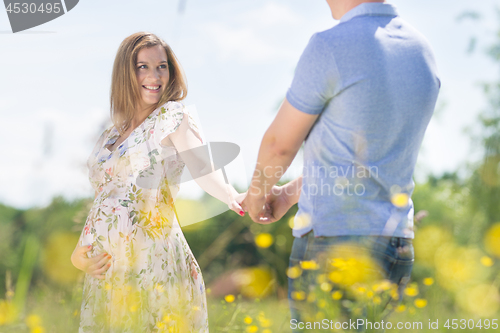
[
  {"x": 309, "y": 265},
  {"x": 298, "y": 295},
  {"x": 336, "y": 295},
  {"x": 492, "y": 240},
  {"x": 400, "y": 199},
  {"x": 293, "y": 272},
  {"x": 428, "y": 281},
  {"x": 401, "y": 308},
  {"x": 264, "y": 240},
  {"x": 382, "y": 286},
  {"x": 486, "y": 261},
  {"x": 411, "y": 290},
  {"x": 420, "y": 303},
  {"x": 252, "y": 329}
]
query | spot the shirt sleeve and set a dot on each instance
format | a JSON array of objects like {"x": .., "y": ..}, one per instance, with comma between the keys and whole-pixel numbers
[{"x": 316, "y": 77}]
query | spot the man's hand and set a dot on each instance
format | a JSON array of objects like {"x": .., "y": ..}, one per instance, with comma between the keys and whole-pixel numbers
[
  {"x": 277, "y": 204},
  {"x": 255, "y": 206},
  {"x": 95, "y": 267}
]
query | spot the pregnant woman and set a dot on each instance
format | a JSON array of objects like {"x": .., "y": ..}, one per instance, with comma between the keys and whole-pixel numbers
[{"x": 141, "y": 274}]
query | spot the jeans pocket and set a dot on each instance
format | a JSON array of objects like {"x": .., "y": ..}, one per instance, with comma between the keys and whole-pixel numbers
[
  {"x": 395, "y": 255},
  {"x": 405, "y": 250},
  {"x": 299, "y": 248},
  {"x": 404, "y": 264}
]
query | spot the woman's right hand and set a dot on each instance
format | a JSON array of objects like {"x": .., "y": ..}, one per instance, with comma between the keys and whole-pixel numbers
[
  {"x": 235, "y": 200},
  {"x": 95, "y": 267}
]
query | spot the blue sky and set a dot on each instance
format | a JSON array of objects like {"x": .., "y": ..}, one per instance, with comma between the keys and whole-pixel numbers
[{"x": 239, "y": 58}]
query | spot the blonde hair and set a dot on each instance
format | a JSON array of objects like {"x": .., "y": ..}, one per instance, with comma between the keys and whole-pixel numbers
[{"x": 125, "y": 93}]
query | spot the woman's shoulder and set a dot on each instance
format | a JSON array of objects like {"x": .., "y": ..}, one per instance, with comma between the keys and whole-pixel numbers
[
  {"x": 171, "y": 112},
  {"x": 172, "y": 106},
  {"x": 170, "y": 118}
]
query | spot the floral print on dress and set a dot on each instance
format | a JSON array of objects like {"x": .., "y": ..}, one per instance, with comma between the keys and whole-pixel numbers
[{"x": 154, "y": 283}]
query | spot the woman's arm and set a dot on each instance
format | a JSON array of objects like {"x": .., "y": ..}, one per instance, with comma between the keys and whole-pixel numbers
[
  {"x": 96, "y": 266},
  {"x": 191, "y": 148}
]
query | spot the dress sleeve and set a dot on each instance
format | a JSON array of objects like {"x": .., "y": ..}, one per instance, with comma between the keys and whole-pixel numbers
[{"x": 169, "y": 119}]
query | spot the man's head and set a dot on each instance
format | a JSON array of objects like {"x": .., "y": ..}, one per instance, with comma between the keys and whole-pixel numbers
[{"x": 340, "y": 7}]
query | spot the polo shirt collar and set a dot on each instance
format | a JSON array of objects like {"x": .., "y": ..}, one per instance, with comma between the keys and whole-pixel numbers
[{"x": 370, "y": 8}]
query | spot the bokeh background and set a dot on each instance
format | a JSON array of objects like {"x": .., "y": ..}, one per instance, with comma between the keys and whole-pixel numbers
[{"x": 239, "y": 58}]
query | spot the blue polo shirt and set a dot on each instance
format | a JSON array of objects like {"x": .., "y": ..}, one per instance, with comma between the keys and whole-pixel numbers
[{"x": 372, "y": 78}]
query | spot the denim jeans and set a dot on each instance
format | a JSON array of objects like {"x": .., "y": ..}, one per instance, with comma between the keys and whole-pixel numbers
[{"x": 392, "y": 257}]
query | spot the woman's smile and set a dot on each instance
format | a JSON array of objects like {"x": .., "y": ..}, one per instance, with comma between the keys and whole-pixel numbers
[{"x": 152, "y": 89}]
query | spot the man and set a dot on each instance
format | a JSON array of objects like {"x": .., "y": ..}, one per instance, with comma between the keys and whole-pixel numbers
[{"x": 362, "y": 96}]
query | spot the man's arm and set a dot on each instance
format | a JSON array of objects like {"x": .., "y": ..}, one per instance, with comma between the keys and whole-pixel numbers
[{"x": 279, "y": 146}]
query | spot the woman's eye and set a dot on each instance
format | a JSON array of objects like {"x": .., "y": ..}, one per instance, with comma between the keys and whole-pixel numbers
[
  {"x": 163, "y": 66},
  {"x": 141, "y": 66}
]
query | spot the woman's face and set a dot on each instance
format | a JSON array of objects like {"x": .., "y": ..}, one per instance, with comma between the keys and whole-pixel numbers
[{"x": 152, "y": 75}]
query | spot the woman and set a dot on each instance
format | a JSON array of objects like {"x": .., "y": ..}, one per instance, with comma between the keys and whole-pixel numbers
[{"x": 141, "y": 274}]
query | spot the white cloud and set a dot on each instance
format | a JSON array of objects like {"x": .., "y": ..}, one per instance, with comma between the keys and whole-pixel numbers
[
  {"x": 244, "y": 44},
  {"x": 257, "y": 36},
  {"x": 272, "y": 14}
]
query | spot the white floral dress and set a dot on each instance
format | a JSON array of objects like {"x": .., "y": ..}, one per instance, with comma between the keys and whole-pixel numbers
[{"x": 154, "y": 283}]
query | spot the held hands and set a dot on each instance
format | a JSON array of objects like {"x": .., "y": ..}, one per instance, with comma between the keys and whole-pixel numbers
[
  {"x": 277, "y": 204},
  {"x": 267, "y": 209},
  {"x": 95, "y": 267}
]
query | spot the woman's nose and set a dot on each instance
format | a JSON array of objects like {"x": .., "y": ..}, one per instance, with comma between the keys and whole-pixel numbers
[{"x": 154, "y": 74}]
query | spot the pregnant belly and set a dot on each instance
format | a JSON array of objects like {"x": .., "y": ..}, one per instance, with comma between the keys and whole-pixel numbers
[{"x": 107, "y": 226}]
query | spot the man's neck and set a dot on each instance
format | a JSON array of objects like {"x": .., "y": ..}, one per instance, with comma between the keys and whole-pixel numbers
[{"x": 340, "y": 7}]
